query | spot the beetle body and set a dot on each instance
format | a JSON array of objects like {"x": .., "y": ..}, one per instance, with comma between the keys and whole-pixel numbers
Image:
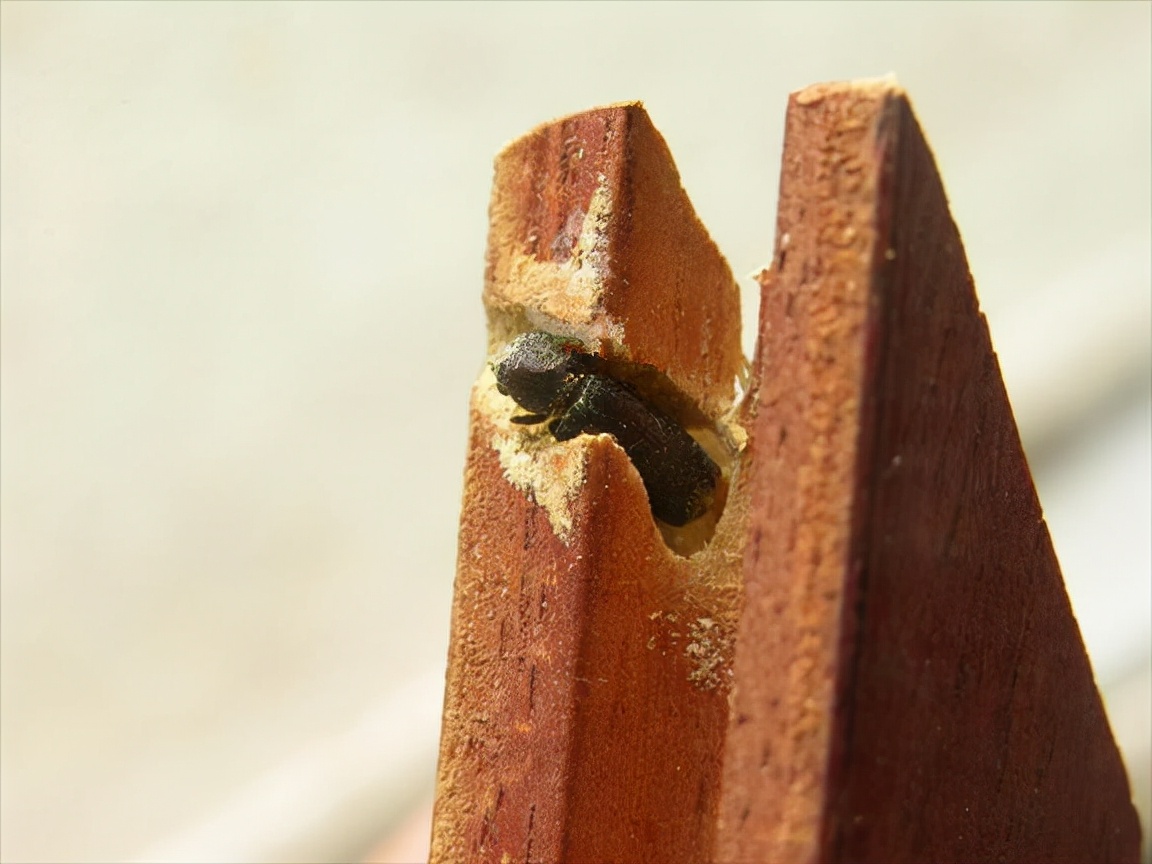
[{"x": 570, "y": 389}]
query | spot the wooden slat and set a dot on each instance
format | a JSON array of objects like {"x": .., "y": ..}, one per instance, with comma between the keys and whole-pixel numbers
[
  {"x": 911, "y": 683},
  {"x": 586, "y": 699}
]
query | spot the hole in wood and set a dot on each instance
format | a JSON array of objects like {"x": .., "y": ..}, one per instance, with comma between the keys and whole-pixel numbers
[{"x": 684, "y": 460}]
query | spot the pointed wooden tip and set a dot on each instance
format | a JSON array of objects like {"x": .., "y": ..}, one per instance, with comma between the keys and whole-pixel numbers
[{"x": 911, "y": 683}]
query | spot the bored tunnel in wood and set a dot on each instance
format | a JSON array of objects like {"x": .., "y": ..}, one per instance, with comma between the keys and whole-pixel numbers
[{"x": 872, "y": 658}]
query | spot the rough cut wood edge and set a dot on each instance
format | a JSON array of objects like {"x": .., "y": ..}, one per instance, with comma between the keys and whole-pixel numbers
[
  {"x": 586, "y": 695},
  {"x": 911, "y": 683},
  {"x": 591, "y": 234}
]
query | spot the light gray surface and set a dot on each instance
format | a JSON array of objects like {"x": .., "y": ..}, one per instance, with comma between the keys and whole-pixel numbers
[{"x": 240, "y": 259}]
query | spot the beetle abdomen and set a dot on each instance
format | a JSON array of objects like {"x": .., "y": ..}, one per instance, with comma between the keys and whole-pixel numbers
[{"x": 679, "y": 476}]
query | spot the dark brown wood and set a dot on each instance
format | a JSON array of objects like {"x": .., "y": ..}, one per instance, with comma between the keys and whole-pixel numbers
[
  {"x": 586, "y": 699},
  {"x": 910, "y": 681}
]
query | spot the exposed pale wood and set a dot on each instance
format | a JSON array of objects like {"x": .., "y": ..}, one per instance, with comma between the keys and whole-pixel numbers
[
  {"x": 911, "y": 683},
  {"x": 586, "y": 698}
]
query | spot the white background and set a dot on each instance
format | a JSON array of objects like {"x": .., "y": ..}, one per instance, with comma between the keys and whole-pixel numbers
[{"x": 241, "y": 250}]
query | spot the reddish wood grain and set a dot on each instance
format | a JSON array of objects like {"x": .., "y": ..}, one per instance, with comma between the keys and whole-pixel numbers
[
  {"x": 586, "y": 699},
  {"x": 665, "y": 295},
  {"x": 910, "y": 681}
]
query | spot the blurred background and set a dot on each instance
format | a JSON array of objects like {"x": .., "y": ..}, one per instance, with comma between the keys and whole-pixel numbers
[{"x": 241, "y": 252}]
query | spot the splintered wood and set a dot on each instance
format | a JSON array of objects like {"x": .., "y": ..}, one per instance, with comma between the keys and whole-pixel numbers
[{"x": 866, "y": 652}]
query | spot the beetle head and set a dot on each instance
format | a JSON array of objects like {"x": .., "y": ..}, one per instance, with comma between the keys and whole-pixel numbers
[{"x": 537, "y": 369}]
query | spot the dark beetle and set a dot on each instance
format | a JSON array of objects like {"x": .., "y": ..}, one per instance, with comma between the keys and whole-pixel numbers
[{"x": 558, "y": 381}]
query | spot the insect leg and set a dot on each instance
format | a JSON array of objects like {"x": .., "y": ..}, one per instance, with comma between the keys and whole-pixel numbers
[{"x": 529, "y": 419}]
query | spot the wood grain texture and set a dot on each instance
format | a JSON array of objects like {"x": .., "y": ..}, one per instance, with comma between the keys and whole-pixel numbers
[
  {"x": 590, "y": 232},
  {"x": 911, "y": 682},
  {"x": 908, "y": 682},
  {"x": 586, "y": 698}
]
